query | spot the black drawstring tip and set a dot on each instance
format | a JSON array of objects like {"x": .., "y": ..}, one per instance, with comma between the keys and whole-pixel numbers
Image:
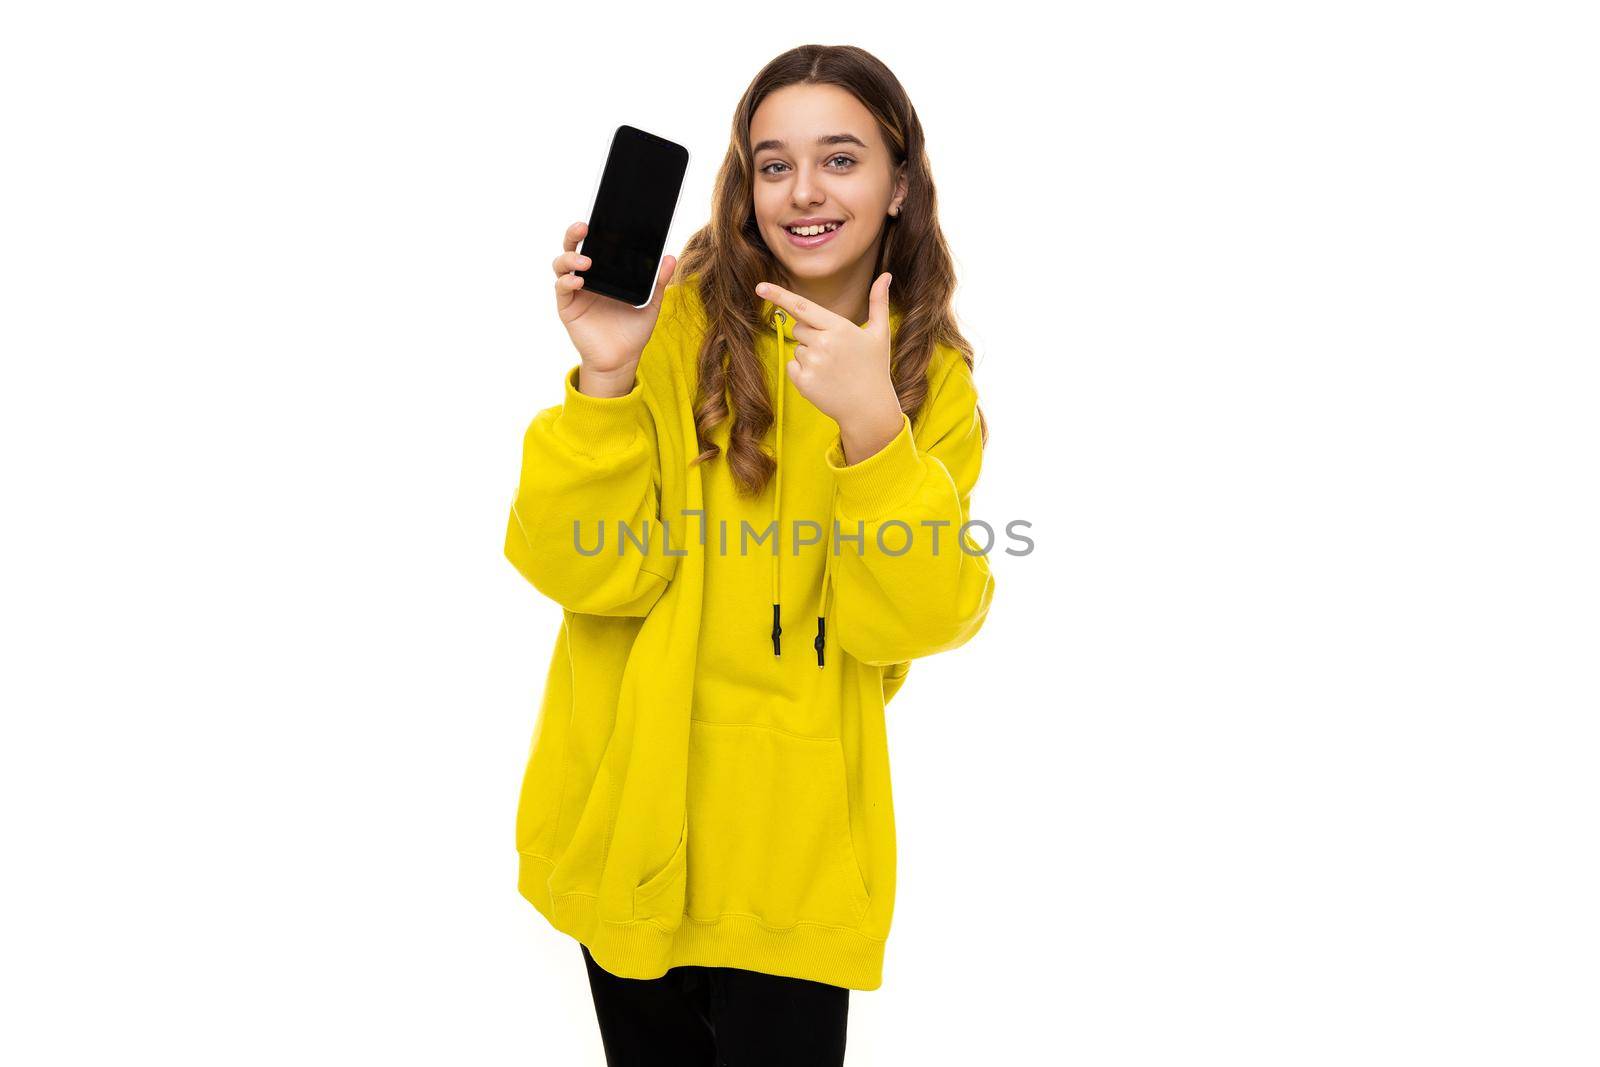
[
  {"x": 777, "y": 649},
  {"x": 819, "y": 642}
]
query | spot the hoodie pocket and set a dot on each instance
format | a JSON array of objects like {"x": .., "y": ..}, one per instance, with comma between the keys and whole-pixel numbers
[
  {"x": 659, "y": 898},
  {"x": 769, "y": 818}
]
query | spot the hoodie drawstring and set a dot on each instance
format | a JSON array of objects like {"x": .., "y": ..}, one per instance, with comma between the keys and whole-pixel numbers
[
  {"x": 827, "y": 581},
  {"x": 820, "y": 641},
  {"x": 777, "y": 496}
]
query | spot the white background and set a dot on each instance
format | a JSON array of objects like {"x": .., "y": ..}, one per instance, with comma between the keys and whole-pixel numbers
[{"x": 1279, "y": 749}]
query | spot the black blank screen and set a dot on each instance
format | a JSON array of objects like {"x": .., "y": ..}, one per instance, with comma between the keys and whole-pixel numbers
[{"x": 632, "y": 214}]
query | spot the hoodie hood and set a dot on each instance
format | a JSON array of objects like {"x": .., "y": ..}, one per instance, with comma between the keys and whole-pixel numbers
[{"x": 781, "y": 323}]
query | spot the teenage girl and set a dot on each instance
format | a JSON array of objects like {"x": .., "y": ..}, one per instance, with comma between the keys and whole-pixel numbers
[{"x": 707, "y": 806}]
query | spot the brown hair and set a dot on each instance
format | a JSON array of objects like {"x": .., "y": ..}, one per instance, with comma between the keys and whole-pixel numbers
[{"x": 727, "y": 257}]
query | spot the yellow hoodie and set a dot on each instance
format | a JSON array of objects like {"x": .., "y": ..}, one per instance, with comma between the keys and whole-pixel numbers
[{"x": 703, "y": 788}]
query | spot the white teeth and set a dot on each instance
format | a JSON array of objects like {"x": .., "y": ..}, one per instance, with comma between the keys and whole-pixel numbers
[{"x": 812, "y": 231}]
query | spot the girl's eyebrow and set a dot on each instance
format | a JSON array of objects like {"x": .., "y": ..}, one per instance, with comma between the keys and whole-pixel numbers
[{"x": 825, "y": 139}]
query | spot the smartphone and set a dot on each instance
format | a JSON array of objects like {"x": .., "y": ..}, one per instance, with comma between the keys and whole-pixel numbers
[{"x": 632, "y": 213}]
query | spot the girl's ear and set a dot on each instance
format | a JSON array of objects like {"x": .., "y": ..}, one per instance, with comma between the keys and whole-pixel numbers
[{"x": 901, "y": 187}]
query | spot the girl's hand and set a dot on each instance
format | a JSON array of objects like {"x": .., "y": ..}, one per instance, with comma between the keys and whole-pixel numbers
[
  {"x": 609, "y": 335},
  {"x": 843, "y": 368}
]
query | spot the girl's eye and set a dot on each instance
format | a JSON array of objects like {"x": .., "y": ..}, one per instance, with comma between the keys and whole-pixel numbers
[{"x": 768, "y": 168}]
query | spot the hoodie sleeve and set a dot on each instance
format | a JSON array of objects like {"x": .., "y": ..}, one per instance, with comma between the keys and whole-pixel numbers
[
  {"x": 594, "y": 462},
  {"x": 889, "y": 608}
]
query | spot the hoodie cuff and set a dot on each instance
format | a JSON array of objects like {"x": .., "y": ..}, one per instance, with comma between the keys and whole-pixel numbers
[
  {"x": 873, "y": 488},
  {"x": 596, "y": 425}
]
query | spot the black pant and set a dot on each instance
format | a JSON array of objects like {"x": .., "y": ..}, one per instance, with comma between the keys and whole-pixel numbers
[{"x": 718, "y": 1017}]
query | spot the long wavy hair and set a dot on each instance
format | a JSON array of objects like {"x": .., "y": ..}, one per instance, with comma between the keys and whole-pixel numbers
[{"x": 727, "y": 257}]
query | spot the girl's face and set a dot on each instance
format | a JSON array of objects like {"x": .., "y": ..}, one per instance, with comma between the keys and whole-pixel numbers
[{"x": 818, "y": 155}]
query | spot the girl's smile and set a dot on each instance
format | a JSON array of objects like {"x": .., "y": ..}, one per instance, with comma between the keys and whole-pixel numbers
[{"x": 812, "y": 241}]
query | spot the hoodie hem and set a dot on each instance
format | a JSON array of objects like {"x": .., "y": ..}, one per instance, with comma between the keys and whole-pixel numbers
[{"x": 646, "y": 949}]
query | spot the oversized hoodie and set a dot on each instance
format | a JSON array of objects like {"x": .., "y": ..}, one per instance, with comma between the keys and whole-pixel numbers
[{"x": 708, "y": 781}]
